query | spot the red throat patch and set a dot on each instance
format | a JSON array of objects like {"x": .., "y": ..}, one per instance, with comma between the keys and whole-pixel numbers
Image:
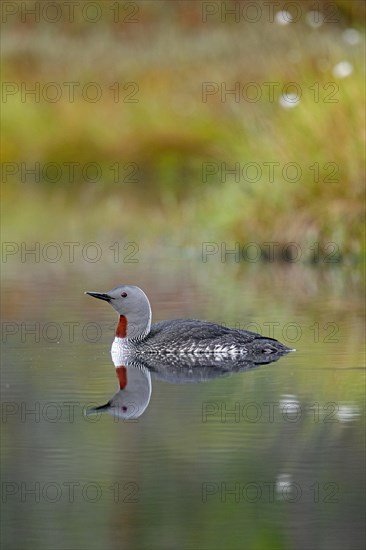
[
  {"x": 122, "y": 377},
  {"x": 121, "y": 330}
]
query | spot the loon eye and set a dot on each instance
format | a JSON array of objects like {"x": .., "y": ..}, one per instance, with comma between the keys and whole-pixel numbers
[
  {"x": 124, "y": 294},
  {"x": 124, "y": 409}
]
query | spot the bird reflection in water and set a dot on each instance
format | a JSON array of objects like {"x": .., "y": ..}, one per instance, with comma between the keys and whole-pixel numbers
[{"x": 135, "y": 374}]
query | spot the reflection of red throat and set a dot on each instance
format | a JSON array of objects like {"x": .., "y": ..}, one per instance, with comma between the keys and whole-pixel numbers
[
  {"x": 122, "y": 377},
  {"x": 121, "y": 330}
]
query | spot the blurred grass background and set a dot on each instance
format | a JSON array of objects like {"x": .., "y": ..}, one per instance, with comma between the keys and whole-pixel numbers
[{"x": 163, "y": 141}]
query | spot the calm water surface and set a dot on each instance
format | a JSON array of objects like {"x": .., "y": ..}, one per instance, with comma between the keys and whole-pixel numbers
[{"x": 269, "y": 458}]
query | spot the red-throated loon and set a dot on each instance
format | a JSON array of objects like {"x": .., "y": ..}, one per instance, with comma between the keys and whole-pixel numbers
[{"x": 135, "y": 334}]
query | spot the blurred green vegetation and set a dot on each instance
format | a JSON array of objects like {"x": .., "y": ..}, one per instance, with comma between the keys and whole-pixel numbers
[{"x": 164, "y": 143}]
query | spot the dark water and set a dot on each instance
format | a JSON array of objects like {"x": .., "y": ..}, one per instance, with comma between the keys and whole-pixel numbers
[{"x": 269, "y": 458}]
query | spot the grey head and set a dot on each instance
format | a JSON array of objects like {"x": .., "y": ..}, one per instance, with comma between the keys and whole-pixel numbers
[
  {"x": 132, "y": 303},
  {"x": 131, "y": 401}
]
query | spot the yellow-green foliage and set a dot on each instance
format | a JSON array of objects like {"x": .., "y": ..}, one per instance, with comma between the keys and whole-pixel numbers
[{"x": 170, "y": 134}]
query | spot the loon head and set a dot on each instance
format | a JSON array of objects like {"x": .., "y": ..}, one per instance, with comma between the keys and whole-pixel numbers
[
  {"x": 134, "y": 309},
  {"x": 133, "y": 396}
]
